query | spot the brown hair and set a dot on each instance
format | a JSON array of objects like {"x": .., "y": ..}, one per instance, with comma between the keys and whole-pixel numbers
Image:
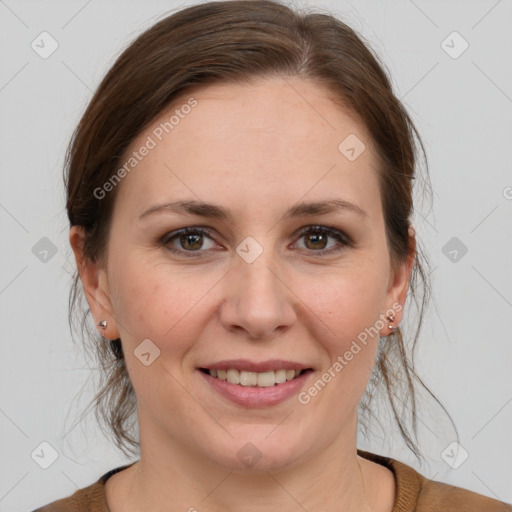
[{"x": 233, "y": 42}]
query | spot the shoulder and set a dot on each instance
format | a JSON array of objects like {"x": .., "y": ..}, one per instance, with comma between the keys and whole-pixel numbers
[
  {"x": 87, "y": 499},
  {"x": 437, "y": 494},
  {"x": 415, "y": 492}
]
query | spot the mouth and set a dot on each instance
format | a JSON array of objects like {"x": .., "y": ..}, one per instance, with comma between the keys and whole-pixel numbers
[
  {"x": 248, "y": 378},
  {"x": 255, "y": 384}
]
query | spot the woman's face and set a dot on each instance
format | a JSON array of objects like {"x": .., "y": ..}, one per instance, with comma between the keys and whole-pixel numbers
[{"x": 255, "y": 294}]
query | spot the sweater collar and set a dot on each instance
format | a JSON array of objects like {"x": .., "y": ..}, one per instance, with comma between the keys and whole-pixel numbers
[{"x": 408, "y": 482}]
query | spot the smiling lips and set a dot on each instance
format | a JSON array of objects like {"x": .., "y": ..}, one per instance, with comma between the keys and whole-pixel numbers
[
  {"x": 254, "y": 384},
  {"x": 249, "y": 373},
  {"x": 259, "y": 379}
]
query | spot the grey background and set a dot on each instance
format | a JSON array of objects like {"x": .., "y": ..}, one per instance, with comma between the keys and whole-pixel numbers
[{"x": 462, "y": 107}]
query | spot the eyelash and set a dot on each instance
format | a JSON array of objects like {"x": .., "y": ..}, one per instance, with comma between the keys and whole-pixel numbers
[{"x": 343, "y": 239}]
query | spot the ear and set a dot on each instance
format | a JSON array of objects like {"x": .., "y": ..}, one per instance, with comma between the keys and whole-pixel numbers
[
  {"x": 94, "y": 281},
  {"x": 399, "y": 281}
]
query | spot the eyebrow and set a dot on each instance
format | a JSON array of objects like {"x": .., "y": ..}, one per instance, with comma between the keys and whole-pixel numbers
[{"x": 213, "y": 211}]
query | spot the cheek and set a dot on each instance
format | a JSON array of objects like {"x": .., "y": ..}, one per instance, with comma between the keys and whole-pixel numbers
[
  {"x": 349, "y": 301},
  {"x": 347, "y": 311},
  {"x": 155, "y": 301}
]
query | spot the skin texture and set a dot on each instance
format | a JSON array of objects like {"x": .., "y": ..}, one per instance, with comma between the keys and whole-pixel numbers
[{"x": 255, "y": 149}]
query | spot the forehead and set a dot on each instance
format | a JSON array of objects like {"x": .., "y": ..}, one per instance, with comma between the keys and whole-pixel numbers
[
  {"x": 277, "y": 114},
  {"x": 274, "y": 140}
]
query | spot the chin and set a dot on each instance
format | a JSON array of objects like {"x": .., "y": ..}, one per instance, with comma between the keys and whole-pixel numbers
[{"x": 261, "y": 450}]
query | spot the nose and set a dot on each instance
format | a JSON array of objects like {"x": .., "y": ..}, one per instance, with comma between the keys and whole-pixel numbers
[{"x": 258, "y": 300}]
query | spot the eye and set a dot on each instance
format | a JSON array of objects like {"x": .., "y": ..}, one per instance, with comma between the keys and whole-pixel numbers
[
  {"x": 190, "y": 241},
  {"x": 316, "y": 237}
]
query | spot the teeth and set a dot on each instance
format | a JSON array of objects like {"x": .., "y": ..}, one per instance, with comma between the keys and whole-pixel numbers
[
  {"x": 280, "y": 376},
  {"x": 233, "y": 376},
  {"x": 248, "y": 378},
  {"x": 261, "y": 380},
  {"x": 267, "y": 379}
]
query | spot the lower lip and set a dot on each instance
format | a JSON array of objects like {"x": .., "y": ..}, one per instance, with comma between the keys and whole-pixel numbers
[{"x": 253, "y": 396}]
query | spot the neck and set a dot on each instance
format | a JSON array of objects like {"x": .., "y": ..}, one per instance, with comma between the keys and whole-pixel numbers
[{"x": 332, "y": 480}]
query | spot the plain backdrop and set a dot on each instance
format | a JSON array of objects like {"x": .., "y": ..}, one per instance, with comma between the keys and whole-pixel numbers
[{"x": 458, "y": 89}]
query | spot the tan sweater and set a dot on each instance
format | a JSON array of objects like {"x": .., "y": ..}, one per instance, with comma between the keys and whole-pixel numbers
[{"x": 414, "y": 493}]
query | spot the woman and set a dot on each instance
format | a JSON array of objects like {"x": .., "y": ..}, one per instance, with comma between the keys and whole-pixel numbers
[{"x": 240, "y": 194}]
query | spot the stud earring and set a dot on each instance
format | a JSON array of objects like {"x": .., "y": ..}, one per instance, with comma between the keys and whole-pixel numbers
[
  {"x": 391, "y": 318},
  {"x": 102, "y": 324}
]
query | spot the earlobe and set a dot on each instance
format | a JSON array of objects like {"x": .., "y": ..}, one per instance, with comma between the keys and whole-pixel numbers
[
  {"x": 399, "y": 285},
  {"x": 94, "y": 282}
]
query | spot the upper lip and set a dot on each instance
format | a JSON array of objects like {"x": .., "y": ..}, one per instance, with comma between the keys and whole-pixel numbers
[{"x": 254, "y": 366}]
